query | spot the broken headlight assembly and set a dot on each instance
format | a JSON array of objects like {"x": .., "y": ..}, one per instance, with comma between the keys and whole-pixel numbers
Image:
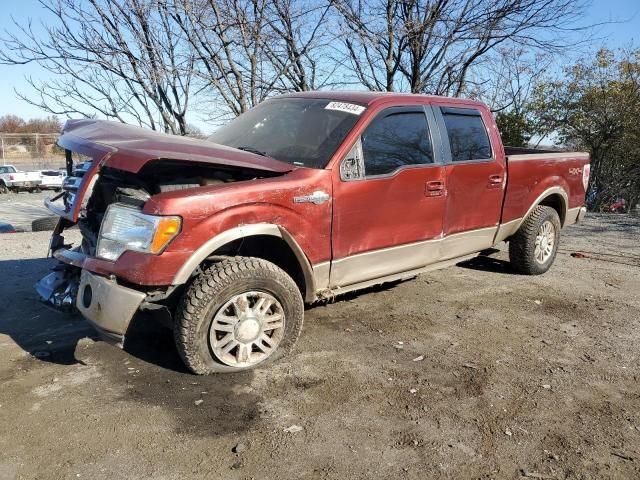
[{"x": 127, "y": 228}]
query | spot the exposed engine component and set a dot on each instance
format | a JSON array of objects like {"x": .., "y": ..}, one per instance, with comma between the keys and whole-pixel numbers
[{"x": 60, "y": 287}]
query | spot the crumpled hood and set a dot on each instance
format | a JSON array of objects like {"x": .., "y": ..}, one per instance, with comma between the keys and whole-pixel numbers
[
  {"x": 125, "y": 147},
  {"x": 132, "y": 147}
]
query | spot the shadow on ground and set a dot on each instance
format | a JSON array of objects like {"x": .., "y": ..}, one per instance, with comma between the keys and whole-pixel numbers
[
  {"x": 52, "y": 336},
  {"x": 149, "y": 372},
  {"x": 488, "y": 264},
  {"x": 45, "y": 334}
]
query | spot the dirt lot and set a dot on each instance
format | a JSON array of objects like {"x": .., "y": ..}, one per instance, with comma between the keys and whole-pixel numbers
[
  {"x": 20, "y": 209},
  {"x": 469, "y": 372}
]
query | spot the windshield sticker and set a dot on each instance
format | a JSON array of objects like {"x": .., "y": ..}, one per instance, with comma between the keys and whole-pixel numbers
[{"x": 345, "y": 107}]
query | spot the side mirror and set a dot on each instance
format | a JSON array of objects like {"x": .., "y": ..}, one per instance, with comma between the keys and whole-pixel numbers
[{"x": 352, "y": 166}]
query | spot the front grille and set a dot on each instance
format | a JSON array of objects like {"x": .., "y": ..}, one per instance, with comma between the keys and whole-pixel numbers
[{"x": 72, "y": 183}]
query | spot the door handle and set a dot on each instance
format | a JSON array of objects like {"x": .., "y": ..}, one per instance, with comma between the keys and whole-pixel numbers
[
  {"x": 495, "y": 181},
  {"x": 434, "y": 188}
]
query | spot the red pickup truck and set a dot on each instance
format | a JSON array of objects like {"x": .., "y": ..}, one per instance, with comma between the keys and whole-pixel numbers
[{"x": 301, "y": 198}]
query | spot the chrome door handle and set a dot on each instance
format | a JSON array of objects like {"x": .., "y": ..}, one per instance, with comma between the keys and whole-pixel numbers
[
  {"x": 318, "y": 197},
  {"x": 495, "y": 181}
]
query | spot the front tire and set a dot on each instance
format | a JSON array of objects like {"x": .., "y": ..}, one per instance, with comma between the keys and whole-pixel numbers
[
  {"x": 238, "y": 314},
  {"x": 533, "y": 248}
]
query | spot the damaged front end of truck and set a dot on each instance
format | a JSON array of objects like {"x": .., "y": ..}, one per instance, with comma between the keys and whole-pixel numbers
[{"x": 113, "y": 168}]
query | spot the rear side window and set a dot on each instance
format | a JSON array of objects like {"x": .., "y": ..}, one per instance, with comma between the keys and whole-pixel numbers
[
  {"x": 467, "y": 134},
  {"x": 396, "y": 139}
]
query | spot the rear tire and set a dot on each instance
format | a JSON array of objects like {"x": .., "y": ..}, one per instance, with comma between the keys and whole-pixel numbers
[
  {"x": 533, "y": 248},
  {"x": 3, "y": 188},
  {"x": 220, "y": 323}
]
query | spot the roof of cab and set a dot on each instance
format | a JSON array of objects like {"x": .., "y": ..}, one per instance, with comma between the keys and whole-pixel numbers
[{"x": 368, "y": 97}]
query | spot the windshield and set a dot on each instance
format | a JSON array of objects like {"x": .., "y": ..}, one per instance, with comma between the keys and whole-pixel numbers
[
  {"x": 7, "y": 169},
  {"x": 301, "y": 131}
]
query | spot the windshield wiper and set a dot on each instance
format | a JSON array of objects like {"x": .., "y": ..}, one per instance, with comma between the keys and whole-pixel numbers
[{"x": 253, "y": 150}]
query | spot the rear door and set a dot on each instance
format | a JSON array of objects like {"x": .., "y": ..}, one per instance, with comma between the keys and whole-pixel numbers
[
  {"x": 475, "y": 178},
  {"x": 389, "y": 198}
]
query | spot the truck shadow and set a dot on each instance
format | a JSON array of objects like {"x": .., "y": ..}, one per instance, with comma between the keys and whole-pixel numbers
[
  {"x": 486, "y": 263},
  {"x": 150, "y": 373},
  {"x": 45, "y": 334},
  {"x": 52, "y": 336}
]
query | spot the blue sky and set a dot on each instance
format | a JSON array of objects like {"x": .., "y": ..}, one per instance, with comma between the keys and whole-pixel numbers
[{"x": 622, "y": 34}]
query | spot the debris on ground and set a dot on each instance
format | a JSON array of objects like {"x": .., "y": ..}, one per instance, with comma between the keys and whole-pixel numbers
[
  {"x": 239, "y": 447},
  {"x": 527, "y": 474},
  {"x": 293, "y": 429},
  {"x": 622, "y": 456}
]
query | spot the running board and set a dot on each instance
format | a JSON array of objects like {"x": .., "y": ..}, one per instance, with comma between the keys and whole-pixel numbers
[{"x": 328, "y": 293}]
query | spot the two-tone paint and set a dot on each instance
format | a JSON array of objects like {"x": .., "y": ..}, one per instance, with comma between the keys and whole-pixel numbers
[{"x": 358, "y": 232}]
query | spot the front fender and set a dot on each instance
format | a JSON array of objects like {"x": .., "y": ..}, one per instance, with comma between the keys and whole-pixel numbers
[{"x": 244, "y": 231}]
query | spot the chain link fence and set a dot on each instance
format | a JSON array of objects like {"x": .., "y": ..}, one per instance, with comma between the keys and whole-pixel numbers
[{"x": 31, "y": 151}]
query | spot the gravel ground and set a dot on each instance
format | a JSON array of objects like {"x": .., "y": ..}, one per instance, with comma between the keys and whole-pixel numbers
[
  {"x": 20, "y": 209},
  {"x": 468, "y": 372}
]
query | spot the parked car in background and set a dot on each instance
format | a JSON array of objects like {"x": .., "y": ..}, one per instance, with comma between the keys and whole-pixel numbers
[
  {"x": 7, "y": 228},
  {"x": 304, "y": 197},
  {"x": 11, "y": 179},
  {"x": 52, "y": 179},
  {"x": 617, "y": 205}
]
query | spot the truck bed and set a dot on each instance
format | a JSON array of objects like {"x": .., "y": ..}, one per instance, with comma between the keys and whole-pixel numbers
[{"x": 534, "y": 173}]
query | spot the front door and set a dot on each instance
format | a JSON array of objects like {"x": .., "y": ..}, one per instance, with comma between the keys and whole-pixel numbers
[{"x": 389, "y": 200}]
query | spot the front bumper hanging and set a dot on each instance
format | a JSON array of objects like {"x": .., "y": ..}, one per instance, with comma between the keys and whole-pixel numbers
[{"x": 107, "y": 305}]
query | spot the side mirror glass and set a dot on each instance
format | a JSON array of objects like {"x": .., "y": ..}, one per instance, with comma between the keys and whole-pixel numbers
[{"x": 352, "y": 166}]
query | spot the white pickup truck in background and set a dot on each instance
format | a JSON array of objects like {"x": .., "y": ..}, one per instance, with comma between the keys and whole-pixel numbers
[
  {"x": 52, "y": 179},
  {"x": 11, "y": 179}
]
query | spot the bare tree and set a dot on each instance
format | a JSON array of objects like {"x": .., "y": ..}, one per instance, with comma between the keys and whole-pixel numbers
[
  {"x": 432, "y": 46},
  {"x": 298, "y": 45},
  {"x": 124, "y": 59},
  {"x": 155, "y": 60},
  {"x": 250, "y": 49}
]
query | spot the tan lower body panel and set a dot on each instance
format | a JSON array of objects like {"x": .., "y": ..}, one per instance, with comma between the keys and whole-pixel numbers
[
  {"x": 401, "y": 275},
  {"x": 403, "y": 261},
  {"x": 574, "y": 215},
  {"x": 379, "y": 264}
]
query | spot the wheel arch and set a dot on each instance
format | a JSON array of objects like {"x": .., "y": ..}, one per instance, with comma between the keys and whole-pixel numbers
[
  {"x": 263, "y": 240},
  {"x": 555, "y": 197},
  {"x": 558, "y": 202}
]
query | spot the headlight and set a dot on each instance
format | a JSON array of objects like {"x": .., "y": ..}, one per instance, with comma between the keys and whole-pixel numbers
[{"x": 127, "y": 228}]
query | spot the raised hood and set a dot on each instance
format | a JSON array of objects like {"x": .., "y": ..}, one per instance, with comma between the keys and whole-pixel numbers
[
  {"x": 125, "y": 147},
  {"x": 132, "y": 147}
]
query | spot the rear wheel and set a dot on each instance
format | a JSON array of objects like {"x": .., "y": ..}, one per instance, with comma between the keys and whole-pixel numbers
[
  {"x": 533, "y": 248},
  {"x": 238, "y": 314},
  {"x": 3, "y": 188}
]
